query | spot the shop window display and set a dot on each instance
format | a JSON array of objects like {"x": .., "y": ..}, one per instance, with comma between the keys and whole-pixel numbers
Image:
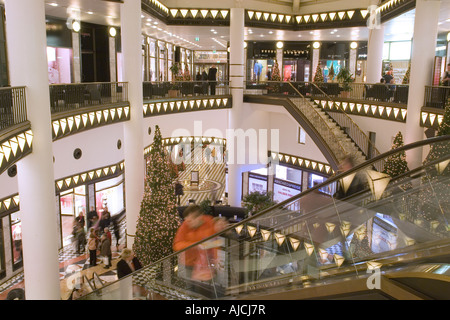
[
  {"x": 59, "y": 65},
  {"x": 72, "y": 203},
  {"x": 260, "y": 70},
  {"x": 109, "y": 193},
  {"x": 16, "y": 235}
]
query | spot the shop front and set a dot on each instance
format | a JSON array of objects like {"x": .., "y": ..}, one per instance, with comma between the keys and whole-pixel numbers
[
  {"x": 107, "y": 194},
  {"x": 204, "y": 60}
]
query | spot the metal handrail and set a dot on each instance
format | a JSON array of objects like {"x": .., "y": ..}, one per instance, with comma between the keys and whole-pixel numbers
[
  {"x": 282, "y": 204},
  {"x": 366, "y": 143},
  {"x": 13, "y": 106},
  {"x": 319, "y": 117}
]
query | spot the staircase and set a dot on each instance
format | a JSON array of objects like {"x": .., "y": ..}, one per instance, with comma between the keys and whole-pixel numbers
[{"x": 333, "y": 135}]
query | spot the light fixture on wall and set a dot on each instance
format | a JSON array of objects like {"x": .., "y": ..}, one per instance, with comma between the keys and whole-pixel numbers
[
  {"x": 112, "y": 32},
  {"x": 76, "y": 26},
  {"x": 353, "y": 45},
  {"x": 280, "y": 44},
  {"x": 448, "y": 37},
  {"x": 245, "y": 44},
  {"x": 316, "y": 45}
]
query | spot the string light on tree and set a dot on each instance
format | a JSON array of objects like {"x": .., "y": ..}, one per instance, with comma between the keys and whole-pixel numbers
[{"x": 158, "y": 219}]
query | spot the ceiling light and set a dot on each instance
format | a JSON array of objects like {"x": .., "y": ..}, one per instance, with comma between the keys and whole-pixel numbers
[
  {"x": 280, "y": 44},
  {"x": 353, "y": 45},
  {"x": 112, "y": 32},
  {"x": 89, "y": 12},
  {"x": 53, "y": 4},
  {"x": 316, "y": 45},
  {"x": 76, "y": 26},
  {"x": 155, "y": 22}
]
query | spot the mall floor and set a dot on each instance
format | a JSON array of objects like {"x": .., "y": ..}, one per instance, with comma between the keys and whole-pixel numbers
[{"x": 71, "y": 262}]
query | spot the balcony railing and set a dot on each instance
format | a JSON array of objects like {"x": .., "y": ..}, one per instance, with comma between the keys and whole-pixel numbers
[
  {"x": 13, "y": 108},
  {"x": 437, "y": 97},
  {"x": 67, "y": 97},
  {"x": 157, "y": 90},
  {"x": 395, "y": 93}
]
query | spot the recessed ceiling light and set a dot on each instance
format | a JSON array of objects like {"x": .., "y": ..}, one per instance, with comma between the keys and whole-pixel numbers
[
  {"x": 53, "y": 4},
  {"x": 311, "y": 32},
  {"x": 89, "y": 12},
  {"x": 149, "y": 19},
  {"x": 155, "y": 22},
  {"x": 270, "y": 32}
]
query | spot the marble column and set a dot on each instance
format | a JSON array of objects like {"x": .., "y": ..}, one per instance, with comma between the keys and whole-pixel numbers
[
  {"x": 130, "y": 15},
  {"x": 27, "y": 55},
  {"x": 422, "y": 62},
  {"x": 235, "y": 115}
]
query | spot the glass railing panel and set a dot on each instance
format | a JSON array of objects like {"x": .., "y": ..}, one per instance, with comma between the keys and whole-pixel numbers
[
  {"x": 67, "y": 97},
  {"x": 367, "y": 219},
  {"x": 178, "y": 89}
]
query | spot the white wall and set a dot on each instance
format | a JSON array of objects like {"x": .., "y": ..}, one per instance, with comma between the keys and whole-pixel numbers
[
  {"x": 385, "y": 130},
  {"x": 99, "y": 148}
]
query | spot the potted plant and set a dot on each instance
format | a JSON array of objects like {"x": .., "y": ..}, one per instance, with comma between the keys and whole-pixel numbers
[
  {"x": 257, "y": 201},
  {"x": 345, "y": 77},
  {"x": 176, "y": 76}
]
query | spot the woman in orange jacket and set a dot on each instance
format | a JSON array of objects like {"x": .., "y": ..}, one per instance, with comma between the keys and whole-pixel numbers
[{"x": 196, "y": 227}]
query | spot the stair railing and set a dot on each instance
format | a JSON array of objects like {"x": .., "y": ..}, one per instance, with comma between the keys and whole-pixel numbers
[
  {"x": 338, "y": 114},
  {"x": 320, "y": 125}
]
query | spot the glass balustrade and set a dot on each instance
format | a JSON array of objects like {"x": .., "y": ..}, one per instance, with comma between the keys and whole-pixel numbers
[{"x": 373, "y": 221}]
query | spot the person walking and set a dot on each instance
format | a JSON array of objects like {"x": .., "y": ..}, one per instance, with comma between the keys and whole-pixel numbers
[
  {"x": 92, "y": 247},
  {"x": 105, "y": 250},
  {"x": 212, "y": 78},
  {"x": 116, "y": 230}
]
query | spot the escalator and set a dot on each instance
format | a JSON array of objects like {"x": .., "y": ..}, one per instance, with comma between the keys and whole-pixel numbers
[{"x": 361, "y": 234}]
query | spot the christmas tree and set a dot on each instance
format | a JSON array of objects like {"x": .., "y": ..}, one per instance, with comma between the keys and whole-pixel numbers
[
  {"x": 406, "y": 76},
  {"x": 276, "y": 72},
  {"x": 318, "y": 77},
  {"x": 158, "y": 219},
  {"x": 331, "y": 73},
  {"x": 186, "y": 74},
  {"x": 396, "y": 164},
  {"x": 435, "y": 187},
  {"x": 438, "y": 150}
]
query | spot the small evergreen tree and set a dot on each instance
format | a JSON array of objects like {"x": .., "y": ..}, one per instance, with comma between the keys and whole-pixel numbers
[
  {"x": 276, "y": 72},
  {"x": 158, "y": 219},
  {"x": 318, "y": 77},
  {"x": 186, "y": 74},
  {"x": 438, "y": 150},
  {"x": 406, "y": 76},
  {"x": 396, "y": 164},
  {"x": 331, "y": 73}
]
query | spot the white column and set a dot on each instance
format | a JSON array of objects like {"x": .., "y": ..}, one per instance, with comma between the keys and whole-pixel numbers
[
  {"x": 130, "y": 15},
  {"x": 27, "y": 55},
  {"x": 375, "y": 54},
  {"x": 315, "y": 62},
  {"x": 279, "y": 58},
  {"x": 237, "y": 92},
  {"x": 112, "y": 59},
  {"x": 422, "y": 62},
  {"x": 352, "y": 62},
  {"x": 76, "y": 48}
]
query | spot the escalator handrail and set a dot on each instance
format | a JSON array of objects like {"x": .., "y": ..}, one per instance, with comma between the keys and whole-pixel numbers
[{"x": 296, "y": 197}]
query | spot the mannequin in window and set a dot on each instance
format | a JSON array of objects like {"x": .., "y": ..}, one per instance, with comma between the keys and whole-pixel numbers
[{"x": 257, "y": 69}]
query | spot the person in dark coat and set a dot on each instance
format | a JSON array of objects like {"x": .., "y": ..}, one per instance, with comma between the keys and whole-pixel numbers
[
  {"x": 105, "y": 250},
  {"x": 91, "y": 218},
  {"x": 212, "y": 78},
  {"x": 178, "y": 191},
  {"x": 127, "y": 264}
]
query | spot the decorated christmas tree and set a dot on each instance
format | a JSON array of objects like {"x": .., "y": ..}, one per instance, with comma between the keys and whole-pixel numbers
[
  {"x": 406, "y": 76},
  {"x": 318, "y": 77},
  {"x": 434, "y": 195},
  {"x": 276, "y": 72},
  {"x": 396, "y": 164},
  {"x": 158, "y": 219},
  {"x": 331, "y": 73},
  {"x": 186, "y": 74},
  {"x": 440, "y": 149}
]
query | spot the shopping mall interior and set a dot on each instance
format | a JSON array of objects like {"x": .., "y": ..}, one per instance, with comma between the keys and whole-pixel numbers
[{"x": 314, "y": 132}]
